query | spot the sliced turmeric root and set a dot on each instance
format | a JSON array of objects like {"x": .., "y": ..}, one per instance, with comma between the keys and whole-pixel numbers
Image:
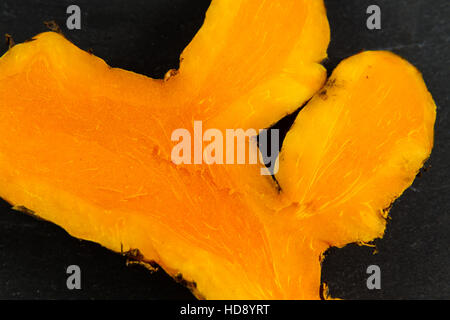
[{"x": 88, "y": 147}]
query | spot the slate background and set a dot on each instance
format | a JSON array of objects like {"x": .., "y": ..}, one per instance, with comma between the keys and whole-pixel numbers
[{"x": 147, "y": 37}]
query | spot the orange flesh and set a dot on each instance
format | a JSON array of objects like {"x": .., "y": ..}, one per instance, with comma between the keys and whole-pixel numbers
[
  {"x": 373, "y": 128},
  {"x": 88, "y": 148}
]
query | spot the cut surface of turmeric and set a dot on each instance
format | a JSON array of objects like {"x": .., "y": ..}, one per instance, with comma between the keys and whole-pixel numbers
[{"x": 88, "y": 147}]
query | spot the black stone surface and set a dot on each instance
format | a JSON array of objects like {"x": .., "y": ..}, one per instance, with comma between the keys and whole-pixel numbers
[{"x": 147, "y": 37}]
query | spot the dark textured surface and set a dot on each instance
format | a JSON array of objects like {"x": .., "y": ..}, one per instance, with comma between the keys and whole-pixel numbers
[{"x": 147, "y": 37}]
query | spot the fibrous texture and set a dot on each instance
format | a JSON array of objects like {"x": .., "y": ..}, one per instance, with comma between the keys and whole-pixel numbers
[{"x": 88, "y": 147}]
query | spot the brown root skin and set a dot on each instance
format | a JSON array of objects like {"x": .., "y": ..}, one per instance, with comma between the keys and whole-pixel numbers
[
  {"x": 28, "y": 212},
  {"x": 9, "y": 41},
  {"x": 53, "y": 26},
  {"x": 135, "y": 257},
  {"x": 147, "y": 265},
  {"x": 169, "y": 74}
]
